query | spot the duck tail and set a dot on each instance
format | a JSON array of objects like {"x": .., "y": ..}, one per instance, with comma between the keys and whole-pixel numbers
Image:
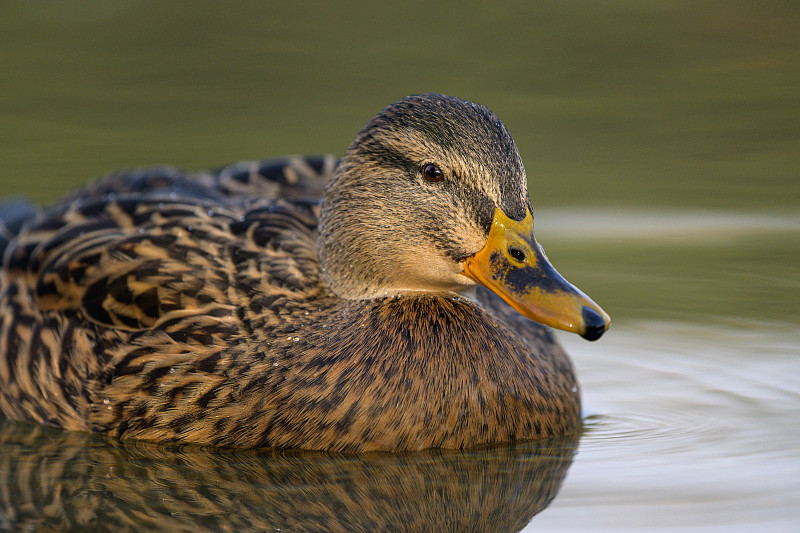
[{"x": 14, "y": 214}]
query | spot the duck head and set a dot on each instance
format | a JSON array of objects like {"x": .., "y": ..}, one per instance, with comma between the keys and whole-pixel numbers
[{"x": 432, "y": 196}]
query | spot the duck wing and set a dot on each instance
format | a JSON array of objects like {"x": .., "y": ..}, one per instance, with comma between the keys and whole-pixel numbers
[
  {"x": 142, "y": 246},
  {"x": 126, "y": 262}
]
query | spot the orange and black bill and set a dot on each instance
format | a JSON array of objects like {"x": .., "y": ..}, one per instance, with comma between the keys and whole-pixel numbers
[{"x": 513, "y": 265}]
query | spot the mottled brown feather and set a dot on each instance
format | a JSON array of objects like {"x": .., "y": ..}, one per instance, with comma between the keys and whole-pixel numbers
[{"x": 172, "y": 307}]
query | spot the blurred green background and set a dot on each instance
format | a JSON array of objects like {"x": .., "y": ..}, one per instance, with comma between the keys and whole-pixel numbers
[{"x": 628, "y": 104}]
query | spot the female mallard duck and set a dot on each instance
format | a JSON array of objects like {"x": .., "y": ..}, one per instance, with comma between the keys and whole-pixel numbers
[{"x": 235, "y": 309}]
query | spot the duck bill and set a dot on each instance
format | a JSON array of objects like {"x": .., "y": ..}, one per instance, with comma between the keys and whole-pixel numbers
[{"x": 513, "y": 265}]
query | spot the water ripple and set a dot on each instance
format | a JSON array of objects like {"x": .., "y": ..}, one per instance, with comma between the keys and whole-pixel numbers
[
  {"x": 662, "y": 431},
  {"x": 699, "y": 392}
]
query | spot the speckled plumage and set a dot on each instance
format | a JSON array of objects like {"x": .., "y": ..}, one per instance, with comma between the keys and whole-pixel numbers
[{"x": 165, "y": 306}]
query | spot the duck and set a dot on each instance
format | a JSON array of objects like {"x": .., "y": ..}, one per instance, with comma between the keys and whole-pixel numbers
[{"x": 393, "y": 300}]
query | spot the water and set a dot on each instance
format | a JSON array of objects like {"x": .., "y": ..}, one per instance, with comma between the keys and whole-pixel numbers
[
  {"x": 662, "y": 143},
  {"x": 690, "y": 428}
]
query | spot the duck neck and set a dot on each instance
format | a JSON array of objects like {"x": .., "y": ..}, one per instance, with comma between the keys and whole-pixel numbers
[{"x": 349, "y": 251}]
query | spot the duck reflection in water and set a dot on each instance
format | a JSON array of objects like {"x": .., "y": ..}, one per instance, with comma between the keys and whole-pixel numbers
[{"x": 68, "y": 481}]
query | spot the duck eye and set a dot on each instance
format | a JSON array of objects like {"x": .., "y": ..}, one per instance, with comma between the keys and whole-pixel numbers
[
  {"x": 433, "y": 173},
  {"x": 516, "y": 253}
]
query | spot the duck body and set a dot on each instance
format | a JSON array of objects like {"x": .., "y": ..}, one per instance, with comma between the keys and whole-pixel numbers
[{"x": 195, "y": 308}]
